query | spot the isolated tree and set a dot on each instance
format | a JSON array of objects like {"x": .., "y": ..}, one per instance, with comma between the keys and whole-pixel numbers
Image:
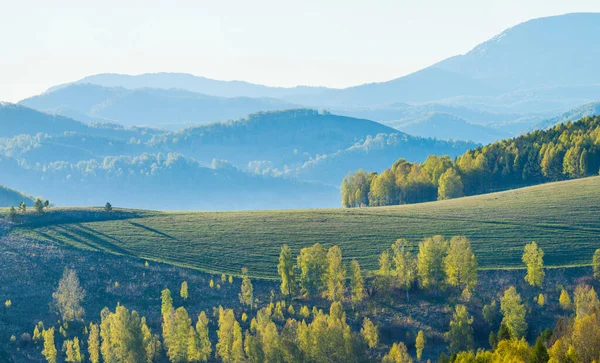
[
  {"x": 460, "y": 264},
  {"x": 312, "y": 262},
  {"x": 533, "y": 257},
  {"x": 335, "y": 275},
  {"x": 564, "y": 300},
  {"x": 46, "y": 204},
  {"x": 541, "y": 300},
  {"x": 23, "y": 207},
  {"x": 285, "y": 268},
  {"x": 586, "y": 300},
  {"x": 247, "y": 291},
  {"x": 68, "y": 297},
  {"x": 513, "y": 312},
  {"x": 420, "y": 344},
  {"x": 94, "y": 343},
  {"x": 356, "y": 283},
  {"x": 183, "y": 292},
  {"x": 369, "y": 333},
  {"x": 39, "y": 206},
  {"x": 460, "y": 335},
  {"x": 450, "y": 185},
  {"x": 406, "y": 265},
  {"x": 430, "y": 262},
  {"x": 397, "y": 354},
  {"x": 596, "y": 264},
  {"x": 108, "y": 207},
  {"x": 49, "y": 350}
]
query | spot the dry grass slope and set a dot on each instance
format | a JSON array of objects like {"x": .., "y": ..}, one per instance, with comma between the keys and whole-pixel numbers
[{"x": 563, "y": 218}]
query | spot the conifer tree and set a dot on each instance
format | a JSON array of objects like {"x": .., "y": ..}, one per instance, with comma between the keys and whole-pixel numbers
[
  {"x": 122, "y": 337},
  {"x": 167, "y": 312},
  {"x": 420, "y": 344},
  {"x": 397, "y": 354},
  {"x": 177, "y": 348},
  {"x": 564, "y": 300},
  {"x": 183, "y": 292},
  {"x": 151, "y": 343},
  {"x": 72, "y": 351}
]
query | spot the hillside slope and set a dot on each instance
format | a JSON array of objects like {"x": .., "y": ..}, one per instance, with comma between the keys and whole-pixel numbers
[
  {"x": 563, "y": 218},
  {"x": 10, "y": 197}
]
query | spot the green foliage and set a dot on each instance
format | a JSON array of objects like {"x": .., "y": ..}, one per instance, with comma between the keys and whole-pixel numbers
[
  {"x": 430, "y": 264},
  {"x": 540, "y": 353},
  {"x": 12, "y": 214},
  {"x": 541, "y": 300},
  {"x": 565, "y": 300},
  {"x": 152, "y": 344},
  {"x": 586, "y": 300},
  {"x": 72, "y": 351},
  {"x": 533, "y": 257},
  {"x": 335, "y": 275},
  {"x": 312, "y": 262},
  {"x": 490, "y": 313},
  {"x": 513, "y": 312},
  {"x": 246, "y": 290},
  {"x": 68, "y": 297},
  {"x": 406, "y": 265},
  {"x": 383, "y": 279},
  {"x": 397, "y": 354},
  {"x": 596, "y": 264},
  {"x": 460, "y": 264},
  {"x": 94, "y": 343},
  {"x": 108, "y": 207},
  {"x": 286, "y": 271},
  {"x": 230, "y": 346},
  {"x": 122, "y": 336},
  {"x": 369, "y": 333},
  {"x": 356, "y": 283},
  {"x": 460, "y": 335},
  {"x": 39, "y": 206},
  {"x": 567, "y": 151}
]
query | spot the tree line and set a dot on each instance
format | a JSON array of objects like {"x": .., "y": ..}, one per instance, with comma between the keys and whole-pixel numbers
[{"x": 566, "y": 151}]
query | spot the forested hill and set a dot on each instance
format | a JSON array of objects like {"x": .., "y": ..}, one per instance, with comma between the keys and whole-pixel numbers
[
  {"x": 10, "y": 197},
  {"x": 566, "y": 151}
]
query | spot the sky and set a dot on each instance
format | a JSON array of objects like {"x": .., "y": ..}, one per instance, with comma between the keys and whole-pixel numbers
[{"x": 280, "y": 43}]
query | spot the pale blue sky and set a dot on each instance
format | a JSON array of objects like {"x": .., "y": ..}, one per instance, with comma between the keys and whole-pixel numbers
[{"x": 284, "y": 43}]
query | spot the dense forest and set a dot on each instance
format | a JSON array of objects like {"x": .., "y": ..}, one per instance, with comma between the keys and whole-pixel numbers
[{"x": 566, "y": 151}]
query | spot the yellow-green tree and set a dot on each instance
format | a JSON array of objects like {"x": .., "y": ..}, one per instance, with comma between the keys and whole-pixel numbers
[
  {"x": 513, "y": 312},
  {"x": 152, "y": 343},
  {"x": 177, "y": 348},
  {"x": 286, "y": 271},
  {"x": 94, "y": 343},
  {"x": 533, "y": 257},
  {"x": 564, "y": 300},
  {"x": 460, "y": 264},
  {"x": 122, "y": 337},
  {"x": 420, "y": 342},
  {"x": 370, "y": 333},
  {"x": 73, "y": 351},
  {"x": 68, "y": 297},
  {"x": 586, "y": 300},
  {"x": 397, "y": 354},
  {"x": 229, "y": 347},
  {"x": 383, "y": 279},
  {"x": 167, "y": 313},
  {"x": 406, "y": 265},
  {"x": 246, "y": 290},
  {"x": 430, "y": 262},
  {"x": 335, "y": 275},
  {"x": 49, "y": 350},
  {"x": 312, "y": 262},
  {"x": 450, "y": 185},
  {"x": 356, "y": 283},
  {"x": 199, "y": 348},
  {"x": 183, "y": 292},
  {"x": 460, "y": 335}
]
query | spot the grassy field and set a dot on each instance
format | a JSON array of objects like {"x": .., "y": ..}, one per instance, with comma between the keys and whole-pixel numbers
[{"x": 563, "y": 218}]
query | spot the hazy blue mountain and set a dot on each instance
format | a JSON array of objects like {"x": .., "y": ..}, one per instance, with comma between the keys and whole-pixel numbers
[
  {"x": 444, "y": 126},
  {"x": 192, "y": 83},
  {"x": 169, "y": 108},
  {"x": 10, "y": 197},
  {"x": 590, "y": 109},
  {"x": 545, "y": 52}
]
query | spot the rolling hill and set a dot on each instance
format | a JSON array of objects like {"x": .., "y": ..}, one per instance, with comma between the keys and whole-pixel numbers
[
  {"x": 10, "y": 197},
  {"x": 561, "y": 217}
]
